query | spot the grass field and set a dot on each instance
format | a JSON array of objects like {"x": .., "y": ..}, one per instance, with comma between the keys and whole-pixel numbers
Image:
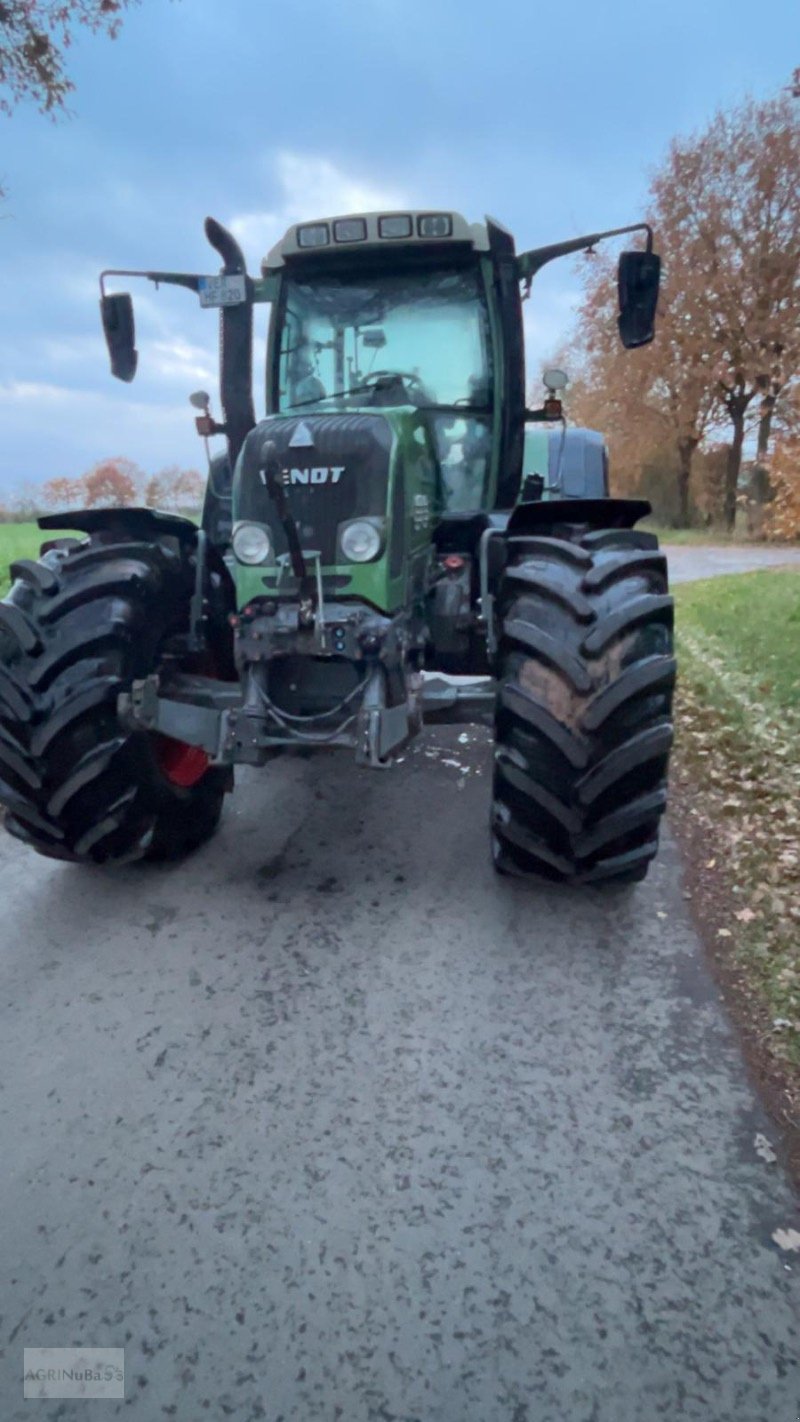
[
  {"x": 22, "y": 540},
  {"x": 738, "y": 782},
  {"x": 17, "y": 540}
]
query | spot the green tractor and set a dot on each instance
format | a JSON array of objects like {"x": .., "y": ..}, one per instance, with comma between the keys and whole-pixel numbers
[{"x": 398, "y": 512}]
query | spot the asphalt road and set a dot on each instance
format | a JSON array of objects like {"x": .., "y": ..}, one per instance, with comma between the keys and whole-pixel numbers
[
  {"x": 331, "y": 1123},
  {"x": 688, "y": 562}
]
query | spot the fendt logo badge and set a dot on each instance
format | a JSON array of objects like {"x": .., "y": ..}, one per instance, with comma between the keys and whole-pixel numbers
[{"x": 321, "y": 475}]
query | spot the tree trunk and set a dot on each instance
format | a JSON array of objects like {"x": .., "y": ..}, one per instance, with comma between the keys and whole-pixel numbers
[
  {"x": 765, "y": 427},
  {"x": 759, "y": 488},
  {"x": 733, "y": 467},
  {"x": 686, "y": 450}
]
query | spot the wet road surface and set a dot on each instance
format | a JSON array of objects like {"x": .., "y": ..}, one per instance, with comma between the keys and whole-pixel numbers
[{"x": 330, "y": 1122}]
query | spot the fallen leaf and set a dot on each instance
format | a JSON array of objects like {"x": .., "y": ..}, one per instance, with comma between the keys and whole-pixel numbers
[
  {"x": 723, "y": 933},
  {"x": 745, "y": 915},
  {"x": 764, "y": 1149},
  {"x": 787, "y": 1239}
]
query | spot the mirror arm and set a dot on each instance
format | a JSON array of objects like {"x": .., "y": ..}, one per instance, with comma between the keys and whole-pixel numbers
[
  {"x": 529, "y": 263},
  {"x": 187, "y": 279}
]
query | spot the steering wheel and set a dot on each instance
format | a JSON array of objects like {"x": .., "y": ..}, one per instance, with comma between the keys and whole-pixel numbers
[{"x": 405, "y": 377}]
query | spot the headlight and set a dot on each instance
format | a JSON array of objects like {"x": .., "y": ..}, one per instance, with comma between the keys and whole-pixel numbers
[
  {"x": 360, "y": 541},
  {"x": 251, "y": 543}
]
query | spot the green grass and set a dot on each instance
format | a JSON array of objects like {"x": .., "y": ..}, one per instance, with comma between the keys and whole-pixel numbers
[
  {"x": 18, "y": 540},
  {"x": 737, "y": 778},
  {"x": 752, "y": 621},
  {"x": 23, "y": 540}
]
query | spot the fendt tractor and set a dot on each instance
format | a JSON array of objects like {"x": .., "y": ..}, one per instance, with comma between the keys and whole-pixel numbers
[{"x": 397, "y": 512}]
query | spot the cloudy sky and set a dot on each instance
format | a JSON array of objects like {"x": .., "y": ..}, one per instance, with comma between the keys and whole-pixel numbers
[{"x": 548, "y": 117}]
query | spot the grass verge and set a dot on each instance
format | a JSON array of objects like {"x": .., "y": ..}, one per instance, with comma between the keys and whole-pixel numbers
[{"x": 737, "y": 803}]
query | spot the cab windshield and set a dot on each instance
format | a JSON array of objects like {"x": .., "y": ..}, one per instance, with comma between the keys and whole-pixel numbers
[{"x": 417, "y": 337}]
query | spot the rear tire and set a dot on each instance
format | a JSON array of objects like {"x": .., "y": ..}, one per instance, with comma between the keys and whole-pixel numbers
[
  {"x": 76, "y": 629},
  {"x": 583, "y": 722}
]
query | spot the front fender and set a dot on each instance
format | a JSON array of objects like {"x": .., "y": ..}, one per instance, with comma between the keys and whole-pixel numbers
[
  {"x": 536, "y": 516},
  {"x": 137, "y": 523}
]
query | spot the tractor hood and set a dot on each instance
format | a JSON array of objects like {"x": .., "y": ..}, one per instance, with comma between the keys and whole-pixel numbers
[
  {"x": 335, "y": 467},
  {"x": 377, "y": 466}
]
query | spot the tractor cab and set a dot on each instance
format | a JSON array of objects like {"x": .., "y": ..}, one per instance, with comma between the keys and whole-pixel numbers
[{"x": 400, "y": 311}]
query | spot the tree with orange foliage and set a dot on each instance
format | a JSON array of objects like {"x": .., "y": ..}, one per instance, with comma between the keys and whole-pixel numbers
[
  {"x": 111, "y": 483},
  {"x": 652, "y": 399},
  {"x": 177, "y": 489},
  {"x": 727, "y": 208},
  {"x": 782, "y": 519},
  {"x": 64, "y": 493}
]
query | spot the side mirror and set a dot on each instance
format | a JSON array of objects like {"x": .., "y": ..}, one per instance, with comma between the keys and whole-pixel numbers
[
  {"x": 638, "y": 275},
  {"x": 120, "y": 334}
]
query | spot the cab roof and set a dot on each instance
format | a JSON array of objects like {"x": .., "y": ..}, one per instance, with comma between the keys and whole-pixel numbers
[{"x": 354, "y": 232}]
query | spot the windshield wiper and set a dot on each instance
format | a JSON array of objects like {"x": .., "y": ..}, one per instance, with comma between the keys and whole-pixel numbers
[
  {"x": 335, "y": 395},
  {"x": 465, "y": 409}
]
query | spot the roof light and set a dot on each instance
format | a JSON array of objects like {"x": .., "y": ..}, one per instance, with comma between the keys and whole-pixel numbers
[
  {"x": 350, "y": 229},
  {"x": 399, "y": 225},
  {"x": 316, "y": 234},
  {"x": 435, "y": 224}
]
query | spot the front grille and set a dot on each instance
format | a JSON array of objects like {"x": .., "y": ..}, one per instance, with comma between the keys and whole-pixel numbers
[{"x": 337, "y": 467}]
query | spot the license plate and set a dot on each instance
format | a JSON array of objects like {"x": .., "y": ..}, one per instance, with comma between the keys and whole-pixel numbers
[{"x": 222, "y": 290}]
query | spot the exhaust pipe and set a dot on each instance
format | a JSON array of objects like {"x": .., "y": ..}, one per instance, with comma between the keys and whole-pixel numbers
[{"x": 236, "y": 344}]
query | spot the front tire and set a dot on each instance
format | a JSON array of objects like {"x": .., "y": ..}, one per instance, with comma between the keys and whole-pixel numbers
[
  {"x": 77, "y": 628},
  {"x": 584, "y": 709}
]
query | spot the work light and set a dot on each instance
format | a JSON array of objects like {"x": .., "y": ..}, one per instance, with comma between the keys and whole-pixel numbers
[
  {"x": 396, "y": 226},
  {"x": 316, "y": 234},
  {"x": 350, "y": 229},
  {"x": 435, "y": 224}
]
